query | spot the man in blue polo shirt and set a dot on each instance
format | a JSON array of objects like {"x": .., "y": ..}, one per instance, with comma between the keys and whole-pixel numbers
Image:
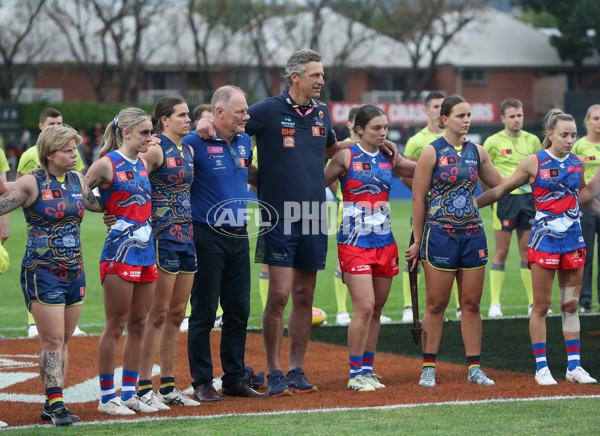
[{"x": 222, "y": 168}]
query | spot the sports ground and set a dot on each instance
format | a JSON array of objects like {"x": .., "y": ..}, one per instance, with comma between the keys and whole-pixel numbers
[{"x": 516, "y": 405}]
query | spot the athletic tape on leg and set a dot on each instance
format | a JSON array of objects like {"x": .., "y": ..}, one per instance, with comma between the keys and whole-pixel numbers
[{"x": 570, "y": 320}]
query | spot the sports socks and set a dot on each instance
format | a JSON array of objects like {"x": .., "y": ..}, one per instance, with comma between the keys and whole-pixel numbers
[
  {"x": 30, "y": 320},
  {"x": 219, "y": 310},
  {"x": 144, "y": 386},
  {"x": 429, "y": 360},
  {"x": 526, "y": 278},
  {"x": 129, "y": 382},
  {"x": 263, "y": 286},
  {"x": 496, "y": 281},
  {"x": 188, "y": 309},
  {"x": 473, "y": 362},
  {"x": 573, "y": 353},
  {"x": 55, "y": 398},
  {"x": 167, "y": 384},
  {"x": 355, "y": 366},
  {"x": 539, "y": 351},
  {"x": 340, "y": 292},
  {"x": 107, "y": 387},
  {"x": 367, "y": 363}
]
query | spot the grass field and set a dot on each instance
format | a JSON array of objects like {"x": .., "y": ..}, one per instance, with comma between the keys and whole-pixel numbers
[{"x": 13, "y": 320}]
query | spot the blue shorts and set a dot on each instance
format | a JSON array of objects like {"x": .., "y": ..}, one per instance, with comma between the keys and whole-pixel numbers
[
  {"x": 449, "y": 254},
  {"x": 286, "y": 244},
  {"x": 175, "y": 257},
  {"x": 51, "y": 292}
]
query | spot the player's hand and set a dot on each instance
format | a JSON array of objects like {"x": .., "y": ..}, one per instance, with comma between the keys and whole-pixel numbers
[
  {"x": 4, "y": 232},
  {"x": 412, "y": 255},
  {"x": 390, "y": 148},
  {"x": 109, "y": 220},
  {"x": 154, "y": 140},
  {"x": 206, "y": 130}
]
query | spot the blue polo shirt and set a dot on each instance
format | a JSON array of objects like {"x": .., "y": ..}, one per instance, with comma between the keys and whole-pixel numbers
[
  {"x": 291, "y": 150},
  {"x": 219, "y": 191}
]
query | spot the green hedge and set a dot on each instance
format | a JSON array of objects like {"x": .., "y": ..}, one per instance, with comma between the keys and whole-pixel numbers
[{"x": 80, "y": 115}]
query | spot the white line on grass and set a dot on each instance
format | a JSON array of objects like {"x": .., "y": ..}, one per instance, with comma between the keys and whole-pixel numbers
[{"x": 325, "y": 410}]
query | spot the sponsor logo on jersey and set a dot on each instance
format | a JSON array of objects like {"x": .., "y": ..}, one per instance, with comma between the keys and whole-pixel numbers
[
  {"x": 574, "y": 169},
  {"x": 318, "y": 131},
  {"x": 362, "y": 166},
  {"x": 507, "y": 223},
  {"x": 447, "y": 160},
  {"x": 286, "y": 132},
  {"x": 506, "y": 151},
  {"x": 361, "y": 268},
  {"x": 123, "y": 176},
  {"x": 51, "y": 194},
  {"x": 82, "y": 291},
  {"x": 134, "y": 273},
  {"x": 550, "y": 173},
  {"x": 288, "y": 141},
  {"x": 173, "y": 162},
  {"x": 243, "y": 163},
  {"x": 483, "y": 253},
  {"x": 214, "y": 149},
  {"x": 144, "y": 173},
  {"x": 589, "y": 158},
  {"x": 385, "y": 165}
]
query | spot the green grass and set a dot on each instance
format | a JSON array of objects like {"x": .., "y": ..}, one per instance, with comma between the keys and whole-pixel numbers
[
  {"x": 552, "y": 417},
  {"x": 13, "y": 322}
]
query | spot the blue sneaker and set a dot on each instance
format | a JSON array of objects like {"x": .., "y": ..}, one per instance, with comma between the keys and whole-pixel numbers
[
  {"x": 296, "y": 380},
  {"x": 476, "y": 375},
  {"x": 276, "y": 384}
]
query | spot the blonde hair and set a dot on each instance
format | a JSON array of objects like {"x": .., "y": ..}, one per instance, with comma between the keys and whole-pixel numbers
[
  {"x": 127, "y": 119},
  {"x": 550, "y": 120},
  {"x": 52, "y": 139},
  {"x": 588, "y": 114}
]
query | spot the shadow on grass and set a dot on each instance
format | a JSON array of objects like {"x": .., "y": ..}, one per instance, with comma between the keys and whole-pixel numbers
[{"x": 505, "y": 344}]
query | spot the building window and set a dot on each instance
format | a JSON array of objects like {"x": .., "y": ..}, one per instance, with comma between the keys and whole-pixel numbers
[{"x": 473, "y": 76}]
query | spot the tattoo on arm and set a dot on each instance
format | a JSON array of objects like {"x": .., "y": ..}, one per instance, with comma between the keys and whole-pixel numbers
[
  {"x": 92, "y": 183},
  {"x": 94, "y": 203},
  {"x": 7, "y": 203}
]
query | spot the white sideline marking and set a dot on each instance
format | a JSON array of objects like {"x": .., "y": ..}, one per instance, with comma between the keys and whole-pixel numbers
[{"x": 327, "y": 410}]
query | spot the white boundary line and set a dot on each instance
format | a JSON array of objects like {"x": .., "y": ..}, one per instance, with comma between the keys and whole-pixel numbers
[{"x": 323, "y": 410}]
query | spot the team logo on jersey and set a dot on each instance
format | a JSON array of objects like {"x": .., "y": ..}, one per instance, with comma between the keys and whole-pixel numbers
[
  {"x": 447, "y": 160},
  {"x": 549, "y": 174},
  {"x": 214, "y": 149},
  {"x": 318, "y": 131},
  {"x": 321, "y": 114},
  {"x": 51, "y": 194},
  {"x": 242, "y": 149},
  {"x": 362, "y": 166},
  {"x": 173, "y": 162},
  {"x": 123, "y": 176},
  {"x": 506, "y": 151},
  {"x": 574, "y": 169},
  {"x": 589, "y": 158},
  {"x": 385, "y": 165},
  {"x": 288, "y": 141},
  {"x": 507, "y": 223}
]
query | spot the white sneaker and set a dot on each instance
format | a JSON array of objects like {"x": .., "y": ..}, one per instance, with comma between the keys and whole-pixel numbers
[
  {"x": 427, "y": 377},
  {"x": 495, "y": 311},
  {"x": 79, "y": 332},
  {"x": 579, "y": 375},
  {"x": 114, "y": 407},
  {"x": 3, "y": 424},
  {"x": 343, "y": 318},
  {"x": 458, "y": 313},
  {"x": 219, "y": 322},
  {"x": 185, "y": 324},
  {"x": 407, "y": 315},
  {"x": 359, "y": 384},
  {"x": 152, "y": 400},
  {"x": 177, "y": 398},
  {"x": 373, "y": 380},
  {"x": 385, "y": 319},
  {"x": 544, "y": 378},
  {"x": 32, "y": 331},
  {"x": 136, "y": 403}
]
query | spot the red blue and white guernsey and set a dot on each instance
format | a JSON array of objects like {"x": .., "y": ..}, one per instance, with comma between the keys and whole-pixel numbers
[
  {"x": 53, "y": 227},
  {"x": 452, "y": 207},
  {"x": 129, "y": 241},
  {"x": 556, "y": 228},
  {"x": 171, "y": 205},
  {"x": 365, "y": 189}
]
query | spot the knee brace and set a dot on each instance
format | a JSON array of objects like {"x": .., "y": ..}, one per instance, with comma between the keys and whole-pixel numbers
[{"x": 570, "y": 320}]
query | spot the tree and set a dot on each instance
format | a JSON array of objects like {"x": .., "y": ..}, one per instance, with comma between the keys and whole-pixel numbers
[
  {"x": 20, "y": 41},
  {"x": 577, "y": 22}
]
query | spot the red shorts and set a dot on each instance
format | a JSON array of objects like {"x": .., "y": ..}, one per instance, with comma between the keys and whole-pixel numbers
[
  {"x": 573, "y": 260},
  {"x": 139, "y": 274},
  {"x": 380, "y": 262}
]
